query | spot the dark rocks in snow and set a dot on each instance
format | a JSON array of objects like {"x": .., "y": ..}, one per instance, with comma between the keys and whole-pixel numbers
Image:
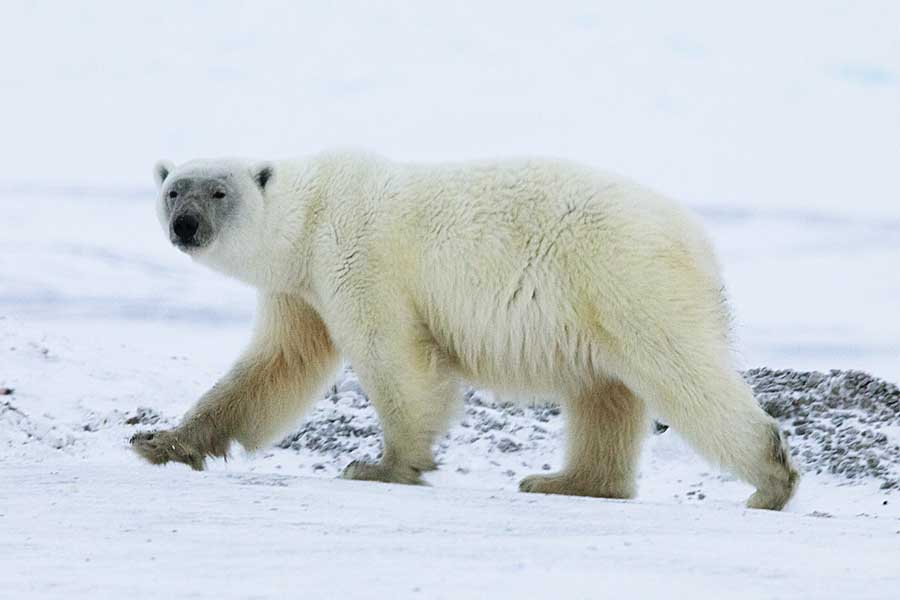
[
  {"x": 144, "y": 416},
  {"x": 846, "y": 423},
  {"x": 332, "y": 434},
  {"x": 8, "y": 407},
  {"x": 508, "y": 445}
]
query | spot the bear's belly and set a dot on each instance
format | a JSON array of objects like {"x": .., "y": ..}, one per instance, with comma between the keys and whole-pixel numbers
[{"x": 532, "y": 348}]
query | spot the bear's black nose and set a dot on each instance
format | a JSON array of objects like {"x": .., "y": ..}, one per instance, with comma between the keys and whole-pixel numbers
[{"x": 185, "y": 227}]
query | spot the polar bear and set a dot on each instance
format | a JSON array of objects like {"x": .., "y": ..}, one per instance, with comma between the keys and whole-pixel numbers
[{"x": 528, "y": 276}]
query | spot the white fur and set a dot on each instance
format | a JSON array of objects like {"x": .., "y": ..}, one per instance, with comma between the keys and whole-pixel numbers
[{"x": 533, "y": 276}]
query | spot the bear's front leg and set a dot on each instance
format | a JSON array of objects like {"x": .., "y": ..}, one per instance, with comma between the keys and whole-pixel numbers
[
  {"x": 606, "y": 427},
  {"x": 288, "y": 361},
  {"x": 409, "y": 383}
]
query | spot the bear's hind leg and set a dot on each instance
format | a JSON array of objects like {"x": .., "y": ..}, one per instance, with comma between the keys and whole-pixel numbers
[
  {"x": 714, "y": 410},
  {"x": 606, "y": 427}
]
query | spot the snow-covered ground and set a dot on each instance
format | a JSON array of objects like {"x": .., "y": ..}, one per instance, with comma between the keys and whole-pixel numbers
[
  {"x": 96, "y": 531},
  {"x": 777, "y": 123}
]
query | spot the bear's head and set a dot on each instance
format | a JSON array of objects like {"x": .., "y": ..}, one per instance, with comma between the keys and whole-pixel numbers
[{"x": 213, "y": 210}]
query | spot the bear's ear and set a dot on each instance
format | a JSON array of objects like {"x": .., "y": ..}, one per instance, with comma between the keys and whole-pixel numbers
[
  {"x": 262, "y": 174},
  {"x": 161, "y": 170}
]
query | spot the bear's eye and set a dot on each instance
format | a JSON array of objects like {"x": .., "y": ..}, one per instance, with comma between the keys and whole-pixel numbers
[
  {"x": 173, "y": 194},
  {"x": 219, "y": 195}
]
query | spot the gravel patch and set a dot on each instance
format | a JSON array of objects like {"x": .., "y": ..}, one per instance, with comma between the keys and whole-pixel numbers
[{"x": 846, "y": 423}]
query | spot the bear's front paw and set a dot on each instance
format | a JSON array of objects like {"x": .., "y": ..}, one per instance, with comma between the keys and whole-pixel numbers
[
  {"x": 567, "y": 485},
  {"x": 547, "y": 484},
  {"x": 160, "y": 447},
  {"x": 387, "y": 473}
]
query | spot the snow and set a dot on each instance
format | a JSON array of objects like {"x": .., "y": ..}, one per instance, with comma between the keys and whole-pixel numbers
[
  {"x": 93, "y": 529},
  {"x": 776, "y": 123}
]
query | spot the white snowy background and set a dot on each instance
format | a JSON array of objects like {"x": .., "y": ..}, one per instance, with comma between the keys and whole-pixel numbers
[{"x": 779, "y": 123}]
